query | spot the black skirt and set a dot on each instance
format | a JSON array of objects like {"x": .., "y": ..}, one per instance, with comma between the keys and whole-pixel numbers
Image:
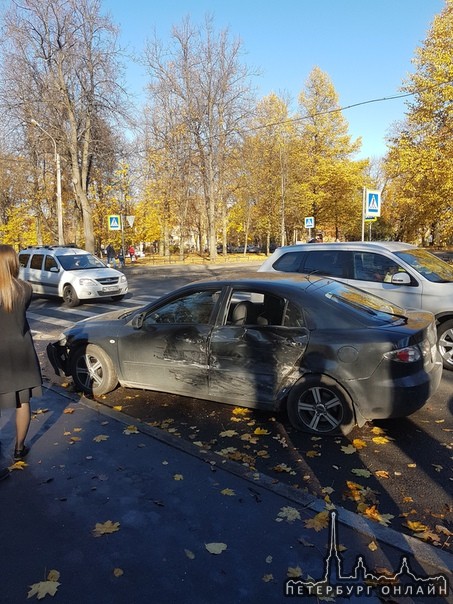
[{"x": 10, "y": 400}]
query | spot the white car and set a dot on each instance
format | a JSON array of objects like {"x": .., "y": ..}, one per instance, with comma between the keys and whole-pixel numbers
[
  {"x": 404, "y": 274},
  {"x": 70, "y": 273}
]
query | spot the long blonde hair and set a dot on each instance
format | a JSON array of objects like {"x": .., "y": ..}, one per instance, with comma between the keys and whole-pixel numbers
[{"x": 9, "y": 271}]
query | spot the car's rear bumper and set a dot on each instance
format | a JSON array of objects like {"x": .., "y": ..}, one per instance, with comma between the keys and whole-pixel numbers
[{"x": 389, "y": 397}]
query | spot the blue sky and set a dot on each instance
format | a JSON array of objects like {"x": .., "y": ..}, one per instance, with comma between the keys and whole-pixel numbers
[{"x": 365, "y": 46}]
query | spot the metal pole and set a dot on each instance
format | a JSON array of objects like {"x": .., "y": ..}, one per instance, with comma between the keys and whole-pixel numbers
[{"x": 363, "y": 212}]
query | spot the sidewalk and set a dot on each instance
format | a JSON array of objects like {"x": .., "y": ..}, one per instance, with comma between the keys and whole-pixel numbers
[{"x": 170, "y": 499}]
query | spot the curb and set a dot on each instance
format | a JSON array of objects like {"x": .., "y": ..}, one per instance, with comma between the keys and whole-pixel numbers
[{"x": 412, "y": 546}]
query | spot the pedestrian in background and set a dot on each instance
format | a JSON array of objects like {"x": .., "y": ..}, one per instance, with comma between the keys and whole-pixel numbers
[
  {"x": 20, "y": 375},
  {"x": 111, "y": 254}
]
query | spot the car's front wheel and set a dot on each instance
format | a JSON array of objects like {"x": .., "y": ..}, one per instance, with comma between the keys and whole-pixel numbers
[
  {"x": 445, "y": 343},
  {"x": 318, "y": 405},
  {"x": 70, "y": 297},
  {"x": 92, "y": 370}
]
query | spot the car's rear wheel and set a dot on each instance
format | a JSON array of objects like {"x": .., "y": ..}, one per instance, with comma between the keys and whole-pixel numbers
[
  {"x": 92, "y": 370},
  {"x": 318, "y": 405},
  {"x": 445, "y": 343},
  {"x": 70, "y": 297},
  {"x": 117, "y": 298}
]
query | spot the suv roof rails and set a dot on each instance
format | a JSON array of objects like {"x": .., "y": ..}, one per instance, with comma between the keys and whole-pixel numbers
[{"x": 52, "y": 246}]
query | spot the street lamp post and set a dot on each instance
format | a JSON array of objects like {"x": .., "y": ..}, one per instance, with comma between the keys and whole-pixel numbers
[{"x": 58, "y": 168}]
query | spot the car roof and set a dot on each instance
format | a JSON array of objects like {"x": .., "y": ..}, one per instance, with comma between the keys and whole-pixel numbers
[
  {"x": 267, "y": 280},
  {"x": 59, "y": 250},
  {"x": 376, "y": 246}
]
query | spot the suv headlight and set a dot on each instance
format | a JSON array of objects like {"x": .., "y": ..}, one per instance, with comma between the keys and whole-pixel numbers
[
  {"x": 85, "y": 281},
  {"x": 123, "y": 279}
]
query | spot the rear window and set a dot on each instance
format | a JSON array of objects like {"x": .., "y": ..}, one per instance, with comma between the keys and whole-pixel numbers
[
  {"x": 341, "y": 306},
  {"x": 23, "y": 259},
  {"x": 288, "y": 263}
]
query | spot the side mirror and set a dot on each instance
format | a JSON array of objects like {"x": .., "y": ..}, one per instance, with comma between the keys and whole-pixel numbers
[
  {"x": 137, "y": 321},
  {"x": 401, "y": 279},
  {"x": 54, "y": 269}
]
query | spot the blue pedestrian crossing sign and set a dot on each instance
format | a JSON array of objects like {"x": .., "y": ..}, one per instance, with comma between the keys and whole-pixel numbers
[
  {"x": 309, "y": 222},
  {"x": 372, "y": 204},
  {"x": 114, "y": 222}
]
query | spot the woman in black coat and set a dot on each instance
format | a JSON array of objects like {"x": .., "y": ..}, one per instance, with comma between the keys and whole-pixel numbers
[{"x": 20, "y": 375}]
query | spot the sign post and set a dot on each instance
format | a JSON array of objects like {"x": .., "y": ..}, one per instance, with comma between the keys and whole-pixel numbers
[
  {"x": 371, "y": 207},
  {"x": 309, "y": 224}
]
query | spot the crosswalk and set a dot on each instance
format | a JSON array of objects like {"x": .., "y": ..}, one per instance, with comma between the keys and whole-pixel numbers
[{"x": 48, "y": 317}]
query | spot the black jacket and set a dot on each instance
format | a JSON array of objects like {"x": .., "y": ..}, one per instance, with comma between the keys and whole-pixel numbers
[{"x": 19, "y": 365}]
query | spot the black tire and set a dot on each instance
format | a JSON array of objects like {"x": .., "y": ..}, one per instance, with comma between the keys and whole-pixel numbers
[
  {"x": 318, "y": 405},
  {"x": 118, "y": 298},
  {"x": 70, "y": 298},
  {"x": 445, "y": 343},
  {"x": 92, "y": 370}
]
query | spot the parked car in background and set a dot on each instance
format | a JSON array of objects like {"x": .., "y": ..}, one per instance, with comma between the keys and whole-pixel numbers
[
  {"x": 70, "y": 273},
  {"x": 332, "y": 355},
  {"x": 399, "y": 272}
]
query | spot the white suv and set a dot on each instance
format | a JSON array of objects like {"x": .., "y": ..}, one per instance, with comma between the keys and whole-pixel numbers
[
  {"x": 402, "y": 273},
  {"x": 70, "y": 273}
]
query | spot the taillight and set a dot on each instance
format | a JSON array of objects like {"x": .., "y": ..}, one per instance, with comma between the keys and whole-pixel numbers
[{"x": 410, "y": 354}]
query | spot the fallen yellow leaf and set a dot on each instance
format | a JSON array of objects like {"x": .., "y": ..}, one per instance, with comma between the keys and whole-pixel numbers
[
  {"x": 42, "y": 589},
  {"x": 312, "y": 454},
  {"x": 215, "y": 548},
  {"x": 373, "y": 546},
  {"x": 416, "y": 526},
  {"x": 260, "y": 431},
  {"x": 377, "y": 430},
  {"x": 118, "y": 407},
  {"x": 241, "y": 411},
  {"x": 228, "y": 433},
  {"x": 100, "y": 437},
  {"x": 178, "y": 477},
  {"x": 288, "y": 513},
  {"x": 361, "y": 472},
  {"x": 130, "y": 430},
  {"x": 118, "y": 572},
  {"x": 294, "y": 571},
  {"x": 228, "y": 492},
  {"x": 18, "y": 465},
  {"x": 69, "y": 410},
  {"x": 189, "y": 554},
  {"x": 319, "y": 521},
  {"x": 358, "y": 443},
  {"x": 105, "y": 528},
  {"x": 381, "y": 440},
  {"x": 268, "y": 577},
  {"x": 382, "y": 474},
  {"x": 349, "y": 450}
]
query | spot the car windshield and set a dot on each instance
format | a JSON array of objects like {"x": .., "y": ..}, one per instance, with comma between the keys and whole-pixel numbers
[
  {"x": 430, "y": 266},
  {"x": 80, "y": 262}
]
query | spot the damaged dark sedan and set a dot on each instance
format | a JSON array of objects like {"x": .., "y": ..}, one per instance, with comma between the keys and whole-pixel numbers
[{"x": 332, "y": 355}]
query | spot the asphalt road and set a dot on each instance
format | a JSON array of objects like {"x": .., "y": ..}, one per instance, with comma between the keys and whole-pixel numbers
[{"x": 399, "y": 472}]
